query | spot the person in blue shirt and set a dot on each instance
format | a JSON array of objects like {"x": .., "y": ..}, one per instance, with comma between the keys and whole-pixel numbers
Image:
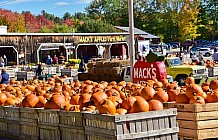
[
  {"x": 4, "y": 78},
  {"x": 49, "y": 60}
]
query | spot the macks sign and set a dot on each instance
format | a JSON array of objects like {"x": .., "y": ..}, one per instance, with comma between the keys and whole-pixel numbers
[{"x": 143, "y": 71}]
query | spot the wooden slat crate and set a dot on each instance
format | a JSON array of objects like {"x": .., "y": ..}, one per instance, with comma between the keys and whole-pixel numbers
[
  {"x": 197, "y": 121},
  {"x": 71, "y": 125},
  {"x": 29, "y": 131},
  {"x": 2, "y": 112},
  {"x": 67, "y": 80},
  {"x": 29, "y": 115},
  {"x": 12, "y": 128},
  {"x": 145, "y": 125},
  {"x": 49, "y": 70},
  {"x": 21, "y": 75},
  {"x": 47, "y": 132},
  {"x": 11, "y": 73},
  {"x": 48, "y": 117},
  {"x": 69, "y": 72},
  {"x": 12, "y": 113},
  {"x": 3, "y": 126}
]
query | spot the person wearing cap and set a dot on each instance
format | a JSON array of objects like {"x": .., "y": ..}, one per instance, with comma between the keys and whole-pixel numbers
[{"x": 4, "y": 78}]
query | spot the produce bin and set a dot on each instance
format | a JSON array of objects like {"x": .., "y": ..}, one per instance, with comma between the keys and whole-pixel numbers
[
  {"x": 196, "y": 121},
  {"x": 71, "y": 125},
  {"x": 21, "y": 75},
  {"x": 212, "y": 71},
  {"x": 69, "y": 72},
  {"x": 146, "y": 125}
]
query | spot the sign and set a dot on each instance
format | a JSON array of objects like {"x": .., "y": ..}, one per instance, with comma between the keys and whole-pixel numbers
[
  {"x": 143, "y": 71},
  {"x": 49, "y": 47},
  {"x": 101, "y": 39}
]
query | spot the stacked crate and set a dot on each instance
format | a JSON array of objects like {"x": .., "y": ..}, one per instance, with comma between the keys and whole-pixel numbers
[
  {"x": 49, "y": 70},
  {"x": 12, "y": 120},
  {"x": 69, "y": 72},
  {"x": 11, "y": 72},
  {"x": 3, "y": 125},
  {"x": 29, "y": 124},
  {"x": 196, "y": 121},
  {"x": 25, "y": 75},
  {"x": 48, "y": 123},
  {"x": 71, "y": 125},
  {"x": 146, "y": 125},
  {"x": 212, "y": 71}
]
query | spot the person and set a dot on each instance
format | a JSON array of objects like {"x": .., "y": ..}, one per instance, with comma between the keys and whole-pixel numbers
[
  {"x": 6, "y": 60},
  {"x": 49, "y": 60},
  {"x": 82, "y": 66},
  {"x": 194, "y": 58},
  {"x": 61, "y": 58},
  {"x": 2, "y": 62},
  {"x": 55, "y": 59},
  {"x": 4, "y": 78},
  {"x": 200, "y": 57},
  {"x": 201, "y": 61},
  {"x": 215, "y": 55},
  {"x": 39, "y": 70},
  {"x": 139, "y": 57}
]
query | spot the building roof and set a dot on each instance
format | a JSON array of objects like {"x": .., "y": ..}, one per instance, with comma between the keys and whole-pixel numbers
[{"x": 138, "y": 31}]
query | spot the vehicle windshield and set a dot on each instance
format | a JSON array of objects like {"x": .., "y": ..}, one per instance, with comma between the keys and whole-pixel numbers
[{"x": 175, "y": 62}]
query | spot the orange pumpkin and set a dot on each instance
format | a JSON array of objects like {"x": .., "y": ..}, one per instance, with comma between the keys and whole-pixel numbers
[
  {"x": 197, "y": 99},
  {"x": 140, "y": 105},
  {"x": 182, "y": 98},
  {"x": 147, "y": 92},
  {"x": 155, "y": 105},
  {"x": 161, "y": 96},
  {"x": 213, "y": 84},
  {"x": 106, "y": 107},
  {"x": 30, "y": 101}
]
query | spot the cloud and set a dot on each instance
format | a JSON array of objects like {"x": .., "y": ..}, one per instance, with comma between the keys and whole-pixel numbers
[
  {"x": 61, "y": 3},
  {"x": 17, "y": 1},
  {"x": 82, "y": 1}
]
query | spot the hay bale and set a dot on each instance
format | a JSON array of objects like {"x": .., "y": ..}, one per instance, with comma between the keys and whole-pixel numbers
[
  {"x": 91, "y": 64},
  {"x": 115, "y": 71}
]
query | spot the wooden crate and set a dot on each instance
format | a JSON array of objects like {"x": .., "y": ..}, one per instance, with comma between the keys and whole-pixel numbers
[
  {"x": 47, "y": 132},
  {"x": 197, "y": 121},
  {"x": 29, "y": 115},
  {"x": 12, "y": 113},
  {"x": 28, "y": 131},
  {"x": 49, "y": 70},
  {"x": 2, "y": 112},
  {"x": 48, "y": 117},
  {"x": 12, "y": 128},
  {"x": 69, "y": 72},
  {"x": 70, "y": 133},
  {"x": 11, "y": 73},
  {"x": 21, "y": 75},
  {"x": 3, "y": 126},
  {"x": 145, "y": 125},
  {"x": 71, "y": 125}
]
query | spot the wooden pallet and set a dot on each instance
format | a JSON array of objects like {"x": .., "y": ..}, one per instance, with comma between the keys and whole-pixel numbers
[
  {"x": 197, "y": 121},
  {"x": 146, "y": 125}
]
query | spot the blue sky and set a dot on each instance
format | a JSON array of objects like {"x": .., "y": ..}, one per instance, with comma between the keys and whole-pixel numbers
[{"x": 56, "y": 7}]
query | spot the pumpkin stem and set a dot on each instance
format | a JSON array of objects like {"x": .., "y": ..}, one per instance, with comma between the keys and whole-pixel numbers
[{"x": 104, "y": 102}]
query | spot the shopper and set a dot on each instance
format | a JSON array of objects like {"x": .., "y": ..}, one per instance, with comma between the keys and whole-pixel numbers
[
  {"x": 82, "y": 66},
  {"x": 215, "y": 55},
  {"x": 49, "y": 60},
  {"x": 4, "y": 78}
]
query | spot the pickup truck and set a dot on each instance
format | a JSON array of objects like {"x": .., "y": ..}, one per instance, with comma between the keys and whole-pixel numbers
[
  {"x": 177, "y": 71},
  {"x": 180, "y": 72}
]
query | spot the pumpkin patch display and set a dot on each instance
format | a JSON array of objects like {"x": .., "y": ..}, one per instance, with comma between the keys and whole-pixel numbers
[{"x": 114, "y": 98}]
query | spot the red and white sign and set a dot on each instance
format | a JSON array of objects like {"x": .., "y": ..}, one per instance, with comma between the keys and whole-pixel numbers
[{"x": 143, "y": 71}]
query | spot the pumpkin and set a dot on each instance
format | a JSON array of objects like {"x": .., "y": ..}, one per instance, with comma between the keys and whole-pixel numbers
[
  {"x": 140, "y": 105},
  {"x": 213, "y": 84},
  {"x": 30, "y": 101},
  {"x": 106, "y": 107},
  {"x": 97, "y": 97},
  {"x": 116, "y": 100},
  {"x": 212, "y": 97},
  {"x": 147, "y": 92},
  {"x": 194, "y": 90},
  {"x": 161, "y": 96},
  {"x": 197, "y": 99},
  {"x": 3, "y": 98},
  {"x": 182, "y": 98},
  {"x": 84, "y": 100},
  {"x": 128, "y": 102},
  {"x": 112, "y": 92},
  {"x": 41, "y": 102},
  {"x": 75, "y": 99},
  {"x": 155, "y": 105},
  {"x": 190, "y": 81},
  {"x": 10, "y": 102},
  {"x": 121, "y": 111},
  {"x": 56, "y": 102},
  {"x": 172, "y": 95}
]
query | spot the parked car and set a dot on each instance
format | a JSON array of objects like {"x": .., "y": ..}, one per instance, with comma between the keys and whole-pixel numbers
[{"x": 206, "y": 51}]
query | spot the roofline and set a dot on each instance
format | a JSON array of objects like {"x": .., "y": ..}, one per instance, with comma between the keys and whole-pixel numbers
[{"x": 65, "y": 34}]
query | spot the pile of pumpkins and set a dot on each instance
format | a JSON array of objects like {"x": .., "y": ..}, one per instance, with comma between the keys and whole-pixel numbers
[
  {"x": 210, "y": 63},
  {"x": 107, "y": 98}
]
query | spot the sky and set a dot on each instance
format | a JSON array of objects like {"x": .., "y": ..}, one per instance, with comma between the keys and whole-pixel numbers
[{"x": 56, "y": 7}]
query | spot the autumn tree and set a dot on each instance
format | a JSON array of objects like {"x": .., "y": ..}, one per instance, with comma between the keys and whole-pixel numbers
[{"x": 188, "y": 21}]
